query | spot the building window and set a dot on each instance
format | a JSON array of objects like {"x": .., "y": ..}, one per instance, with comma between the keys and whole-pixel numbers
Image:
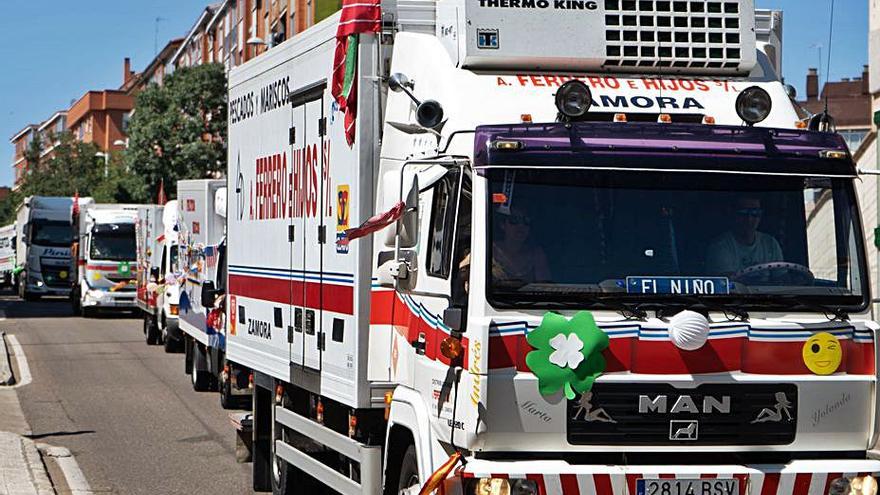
[
  {"x": 853, "y": 138},
  {"x": 126, "y": 122}
]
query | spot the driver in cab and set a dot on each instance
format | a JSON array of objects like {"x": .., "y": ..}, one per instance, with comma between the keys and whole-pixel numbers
[{"x": 743, "y": 245}]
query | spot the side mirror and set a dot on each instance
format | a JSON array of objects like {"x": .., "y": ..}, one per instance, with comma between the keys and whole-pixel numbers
[
  {"x": 399, "y": 274},
  {"x": 452, "y": 318},
  {"x": 154, "y": 274},
  {"x": 209, "y": 294},
  {"x": 26, "y": 233},
  {"x": 408, "y": 227}
]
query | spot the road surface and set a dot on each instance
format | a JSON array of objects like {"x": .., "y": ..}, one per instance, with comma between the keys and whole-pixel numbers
[{"x": 126, "y": 410}]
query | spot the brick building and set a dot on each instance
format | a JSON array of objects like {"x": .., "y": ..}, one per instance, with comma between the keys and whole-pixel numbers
[
  {"x": 101, "y": 117},
  {"x": 20, "y": 142},
  {"x": 849, "y": 102},
  {"x": 222, "y": 31},
  {"x": 50, "y": 131}
]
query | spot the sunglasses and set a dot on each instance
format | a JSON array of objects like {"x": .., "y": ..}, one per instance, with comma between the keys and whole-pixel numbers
[
  {"x": 750, "y": 212},
  {"x": 519, "y": 220}
]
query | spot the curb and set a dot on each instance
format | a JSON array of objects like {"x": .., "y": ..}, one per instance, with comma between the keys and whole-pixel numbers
[
  {"x": 6, "y": 377},
  {"x": 73, "y": 476}
]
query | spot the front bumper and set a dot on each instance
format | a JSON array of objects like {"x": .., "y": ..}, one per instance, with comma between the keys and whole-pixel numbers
[
  {"x": 110, "y": 300},
  {"x": 801, "y": 477}
]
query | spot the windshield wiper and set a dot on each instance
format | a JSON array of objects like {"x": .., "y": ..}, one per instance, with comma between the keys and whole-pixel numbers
[
  {"x": 630, "y": 311},
  {"x": 837, "y": 313},
  {"x": 728, "y": 308}
]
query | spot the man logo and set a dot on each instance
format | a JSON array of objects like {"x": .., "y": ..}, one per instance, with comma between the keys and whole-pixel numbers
[{"x": 683, "y": 430}]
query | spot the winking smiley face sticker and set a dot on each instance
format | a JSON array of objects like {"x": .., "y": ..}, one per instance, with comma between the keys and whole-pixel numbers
[{"x": 822, "y": 353}]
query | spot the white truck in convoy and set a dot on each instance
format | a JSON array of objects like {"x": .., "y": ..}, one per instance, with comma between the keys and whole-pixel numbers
[
  {"x": 616, "y": 260},
  {"x": 103, "y": 258},
  {"x": 202, "y": 247},
  {"x": 158, "y": 275},
  {"x": 43, "y": 236},
  {"x": 7, "y": 255}
]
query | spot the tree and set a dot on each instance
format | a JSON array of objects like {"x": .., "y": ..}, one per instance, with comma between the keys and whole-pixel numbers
[
  {"x": 72, "y": 168},
  {"x": 179, "y": 129}
]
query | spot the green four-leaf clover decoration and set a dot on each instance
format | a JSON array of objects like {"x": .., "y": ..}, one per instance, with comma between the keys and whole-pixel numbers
[{"x": 568, "y": 353}]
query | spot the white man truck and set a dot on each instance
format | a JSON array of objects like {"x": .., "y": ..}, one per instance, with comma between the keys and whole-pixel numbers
[
  {"x": 158, "y": 276},
  {"x": 7, "y": 255},
  {"x": 104, "y": 261},
  {"x": 43, "y": 236},
  {"x": 202, "y": 247},
  {"x": 617, "y": 262}
]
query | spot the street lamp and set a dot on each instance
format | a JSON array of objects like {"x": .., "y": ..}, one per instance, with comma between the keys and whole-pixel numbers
[
  {"x": 256, "y": 41},
  {"x": 106, "y": 157},
  {"x": 120, "y": 142}
]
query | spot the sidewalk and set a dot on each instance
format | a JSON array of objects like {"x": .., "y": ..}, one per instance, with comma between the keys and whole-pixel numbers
[{"x": 22, "y": 471}]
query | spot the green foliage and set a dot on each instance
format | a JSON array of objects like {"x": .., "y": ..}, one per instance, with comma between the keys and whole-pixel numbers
[
  {"x": 178, "y": 130},
  {"x": 73, "y": 167},
  {"x": 560, "y": 365}
]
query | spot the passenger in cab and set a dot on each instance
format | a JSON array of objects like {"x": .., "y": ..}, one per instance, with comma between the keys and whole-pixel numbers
[
  {"x": 743, "y": 245},
  {"x": 515, "y": 259}
]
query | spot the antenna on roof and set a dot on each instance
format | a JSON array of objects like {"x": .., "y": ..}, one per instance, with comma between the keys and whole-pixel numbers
[
  {"x": 824, "y": 121},
  {"x": 156, "y": 34}
]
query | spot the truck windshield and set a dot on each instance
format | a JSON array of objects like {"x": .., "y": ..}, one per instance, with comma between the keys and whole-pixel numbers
[
  {"x": 605, "y": 237},
  {"x": 48, "y": 233},
  {"x": 113, "y": 242}
]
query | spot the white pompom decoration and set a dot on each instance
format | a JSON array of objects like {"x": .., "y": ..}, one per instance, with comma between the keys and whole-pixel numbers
[{"x": 689, "y": 330}]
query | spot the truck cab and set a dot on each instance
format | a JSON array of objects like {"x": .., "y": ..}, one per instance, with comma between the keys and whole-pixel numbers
[
  {"x": 158, "y": 291},
  {"x": 44, "y": 235},
  {"x": 104, "y": 258}
]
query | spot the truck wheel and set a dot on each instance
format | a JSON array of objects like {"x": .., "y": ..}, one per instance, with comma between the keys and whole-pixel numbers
[
  {"x": 150, "y": 329},
  {"x": 201, "y": 380},
  {"x": 409, "y": 472},
  {"x": 224, "y": 385}
]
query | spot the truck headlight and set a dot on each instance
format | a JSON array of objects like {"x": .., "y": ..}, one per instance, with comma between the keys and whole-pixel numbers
[
  {"x": 753, "y": 105},
  {"x": 501, "y": 486},
  {"x": 95, "y": 294}
]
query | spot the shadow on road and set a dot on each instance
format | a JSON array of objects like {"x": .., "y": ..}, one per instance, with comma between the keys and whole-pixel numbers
[
  {"x": 40, "y": 436},
  {"x": 52, "y": 307}
]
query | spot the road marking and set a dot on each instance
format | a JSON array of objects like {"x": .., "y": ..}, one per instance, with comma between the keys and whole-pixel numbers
[
  {"x": 24, "y": 371},
  {"x": 73, "y": 475}
]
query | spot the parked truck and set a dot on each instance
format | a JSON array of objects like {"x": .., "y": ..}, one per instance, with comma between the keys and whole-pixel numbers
[
  {"x": 202, "y": 247},
  {"x": 43, "y": 237},
  {"x": 614, "y": 259},
  {"x": 158, "y": 275},
  {"x": 103, "y": 258},
  {"x": 7, "y": 255}
]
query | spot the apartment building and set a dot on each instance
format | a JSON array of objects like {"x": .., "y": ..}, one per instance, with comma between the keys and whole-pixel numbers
[
  {"x": 20, "y": 142},
  {"x": 50, "y": 132},
  {"x": 101, "y": 117},
  {"x": 849, "y": 102},
  {"x": 234, "y": 31}
]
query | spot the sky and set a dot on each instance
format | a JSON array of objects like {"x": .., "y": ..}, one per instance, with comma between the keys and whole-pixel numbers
[{"x": 54, "y": 51}]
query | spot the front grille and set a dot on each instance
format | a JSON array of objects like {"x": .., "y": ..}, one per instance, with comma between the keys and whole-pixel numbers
[
  {"x": 682, "y": 34},
  {"x": 52, "y": 276},
  {"x": 759, "y": 414}
]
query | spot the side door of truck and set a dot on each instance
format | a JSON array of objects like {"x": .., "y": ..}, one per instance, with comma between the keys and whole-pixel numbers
[{"x": 306, "y": 256}]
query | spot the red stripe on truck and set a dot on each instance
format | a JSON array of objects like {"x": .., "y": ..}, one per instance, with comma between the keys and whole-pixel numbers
[{"x": 314, "y": 295}]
